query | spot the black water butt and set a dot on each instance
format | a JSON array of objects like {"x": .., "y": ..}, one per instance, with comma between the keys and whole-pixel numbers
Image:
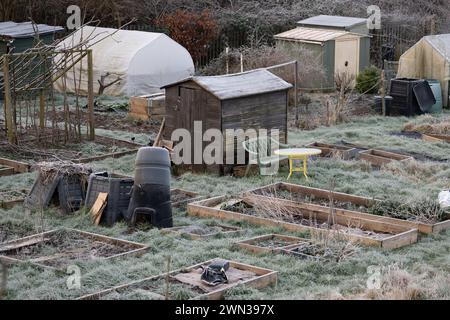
[{"x": 150, "y": 196}]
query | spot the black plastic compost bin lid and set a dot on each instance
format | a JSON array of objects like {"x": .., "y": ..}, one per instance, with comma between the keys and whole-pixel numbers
[{"x": 424, "y": 95}]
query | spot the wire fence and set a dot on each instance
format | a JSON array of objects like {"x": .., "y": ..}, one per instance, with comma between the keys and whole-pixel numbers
[
  {"x": 393, "y": 40},
  {"x": 389, "y": 43}
]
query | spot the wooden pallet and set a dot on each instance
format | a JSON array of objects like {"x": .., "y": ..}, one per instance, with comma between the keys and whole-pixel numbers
[
  {"x": 399, "y": 236},
  {"x": 226, "y": 231},
  {"x": 426, "y": 228},
  {"x": 331, "y": 150},
  {"x": 238, "y": 274},
  {"x": 138, "y": 249},
  {"x": 381, "y": 157},
  {"x": 252, "y": 244}
]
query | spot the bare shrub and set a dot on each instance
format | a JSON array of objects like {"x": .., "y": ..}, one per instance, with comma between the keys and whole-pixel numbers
[
  {"x": 330, "y": 240},
  {"x": 397, "y": 284},
  {"x": 415, "y": 170},
  {"x": 336, "y": 107},
  {"x": 266, "y": 56},
  {"x": 424, "y": 210}
]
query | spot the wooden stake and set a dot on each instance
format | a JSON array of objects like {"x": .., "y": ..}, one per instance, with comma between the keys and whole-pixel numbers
[
  {"x": 383, "y": 93},
  {"x": 4, "y": 278},
  {"x": 433, "y": 25},
  {"x": 227, "y": 60},
  {"x": 42, "y": 110},
  {"x": 10, "y": 124},
  {"x": 91, "y": 95},
  {"x": 169, "y": 258},
  {"x": 158, "y": 137},
  {"x": 295, "y": 83}
]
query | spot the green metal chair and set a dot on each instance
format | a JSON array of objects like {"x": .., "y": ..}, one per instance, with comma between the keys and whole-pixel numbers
[{"x": 261, "y": 149}]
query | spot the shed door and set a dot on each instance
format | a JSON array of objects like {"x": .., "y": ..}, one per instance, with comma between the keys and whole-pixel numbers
[
  {"x": 347, "y": 56},
  {"x": 192, "y": 108}
]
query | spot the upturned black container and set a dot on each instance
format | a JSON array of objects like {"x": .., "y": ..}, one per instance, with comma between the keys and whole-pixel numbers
[{"x": 150, "y": 196}]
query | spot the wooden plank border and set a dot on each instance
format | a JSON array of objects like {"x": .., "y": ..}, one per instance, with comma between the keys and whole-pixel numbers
[
  {"x": 228, "y": 230},
  {"x": 139, "y": 249},
  {"x": 194, "y": 197},
  {"x": 264, "y": 277},
  {"x": 330, "y": 150},
  {"x": 252, "y": 243},
  {"x": 18, "y": 166},
  {"x": 7, "y": 171},
  {"x": 208, "y": 209},
  {"x": 436, "y": 137}
]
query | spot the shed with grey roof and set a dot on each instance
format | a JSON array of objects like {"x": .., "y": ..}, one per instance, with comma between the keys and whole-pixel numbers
[
  {"x": 256, "y": 99},
  {"x": 18, "y": 37}
]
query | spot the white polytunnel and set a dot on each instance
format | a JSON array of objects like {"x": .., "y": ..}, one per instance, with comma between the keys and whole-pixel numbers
[{"x": 143, "y": 61}]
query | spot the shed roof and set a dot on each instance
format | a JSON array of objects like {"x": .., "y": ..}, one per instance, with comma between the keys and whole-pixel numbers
[
  {"x": 311, "y": 34},
  {"x": 441, "y": 43},
  {"x": 332, "y": 21},
  {"x": 240, "y": 84},
  {"x": 25, "y": 29}
]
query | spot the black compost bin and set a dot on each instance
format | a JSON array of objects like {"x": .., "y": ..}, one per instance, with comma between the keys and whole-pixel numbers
[
  {"x": 119, "y": 194},
  {"x": 150, "y": 198},
  {"x": 404, "y": 101}
]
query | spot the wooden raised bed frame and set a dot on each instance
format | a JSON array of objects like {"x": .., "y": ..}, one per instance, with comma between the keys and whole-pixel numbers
[
  {"x": 227, "y": 230},
  {"x": 436, "y": 137},
  {"x": 11, "y": 203},
  {"x": 194, "y": 196},
  {"x": 139, "y": 250},
  {"x": 380, "y": 157},
  {"x": 22, "y": 167},
  {"x": 252, "y": 244},
  {"x": 13, "y": 167},
  {"x": 330, "y": 150},
  {"x": 402, "y": 236},
  {"x": 426, "y": 228},
  {"x": 263, "y": 278}
]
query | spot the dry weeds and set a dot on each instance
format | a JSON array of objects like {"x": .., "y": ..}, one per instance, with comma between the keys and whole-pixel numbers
[{"x": 428, "y": 124}]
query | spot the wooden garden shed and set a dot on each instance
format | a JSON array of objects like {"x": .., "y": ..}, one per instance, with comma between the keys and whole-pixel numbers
[
  {"x": 255, "y": 99},
  {"x": 335, "y": 50}
]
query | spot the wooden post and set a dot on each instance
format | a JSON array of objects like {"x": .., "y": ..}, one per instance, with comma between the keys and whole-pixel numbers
[
  {"x": 42, "y": 110},
  {"x": 10, "y": 124},
  {"x": 91, "y": 95},
  {"x": 383, "y": 92},
  {"x": 296, "y": 84},
  {"x": 433, "y": 25},
  {"x": 227, "y": 60},
  {"x": 242, "y": 63}
]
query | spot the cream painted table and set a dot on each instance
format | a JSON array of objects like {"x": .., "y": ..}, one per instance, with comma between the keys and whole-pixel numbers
[{"x": 298, "y": 154}]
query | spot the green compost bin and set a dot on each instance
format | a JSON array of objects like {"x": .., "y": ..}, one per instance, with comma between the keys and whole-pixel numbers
[{"x": 437, "y": 91}]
